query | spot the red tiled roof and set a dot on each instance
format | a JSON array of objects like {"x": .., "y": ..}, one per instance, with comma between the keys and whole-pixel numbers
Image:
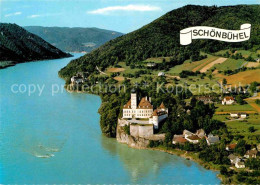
[
  {"x": 194, "y": 137},
  {"x": 229, "y": 98},
  {"x": 128, "y": 105},
  {"x": 232, "y": 146},
  {"x": 144, "y": 104},
  {"x": 180, "y": 140},
  {"x": 162, "y": 106},
  {"x": 155, "y": 113}
]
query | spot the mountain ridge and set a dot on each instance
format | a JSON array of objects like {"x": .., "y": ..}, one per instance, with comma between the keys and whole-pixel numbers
[
  {"x": 73, "y": 39},
  {"x": 161, "y": 37},
  {"x": 18, "y": 45}
]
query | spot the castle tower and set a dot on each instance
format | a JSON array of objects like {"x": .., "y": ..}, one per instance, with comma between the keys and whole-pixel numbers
[{"x": 133, "y": 100}]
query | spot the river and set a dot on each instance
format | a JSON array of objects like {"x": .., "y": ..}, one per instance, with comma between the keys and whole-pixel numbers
[{"x": 53, "y": 136}]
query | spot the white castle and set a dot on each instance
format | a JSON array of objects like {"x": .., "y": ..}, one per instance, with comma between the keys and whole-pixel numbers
[{"x": 144, "y": 110}]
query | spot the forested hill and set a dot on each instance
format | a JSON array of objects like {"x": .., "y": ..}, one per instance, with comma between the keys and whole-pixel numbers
[
  {"x": 19, "y": 45},
  {"x": 161, "y": 37},
  {"x": 74, "y": 39}
]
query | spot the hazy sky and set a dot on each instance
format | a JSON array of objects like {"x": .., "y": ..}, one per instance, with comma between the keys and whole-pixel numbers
[{"x": 119, "y": 15}]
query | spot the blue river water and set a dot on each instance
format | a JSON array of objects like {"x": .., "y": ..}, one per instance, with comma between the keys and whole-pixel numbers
[{"x": 52, "y": 136}]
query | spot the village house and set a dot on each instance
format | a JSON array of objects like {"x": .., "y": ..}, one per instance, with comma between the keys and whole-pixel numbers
[
  {"x": 205, "y": 99},
  {"x": 211, "y": 140},
  {"x": 251, "y": 153},
  {"x": 240, "y": 165},
  {"x": 231, "y": 147},
  {"x": 201, "y": 133},
  {"x": 187, "y": 133},
  {"x": 143, "y": 109},
  {"x": 234, "y": 159},
  {"x": 242, "y": 115},
  {"x": 76, "y": 80},
  {"x": 229, "y": 100},
  {"x": 151, "y": 64},
  {"x": 193, "y": 139},
  {"x": 233, "y": 114},
  {"x": 178, "y": 139},
  {"x": 161, "y": 74},
  {"x": 238, "y": 115}
]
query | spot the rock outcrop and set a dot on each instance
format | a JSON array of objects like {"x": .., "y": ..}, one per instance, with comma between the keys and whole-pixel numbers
[{"x": 134, "y": 141}]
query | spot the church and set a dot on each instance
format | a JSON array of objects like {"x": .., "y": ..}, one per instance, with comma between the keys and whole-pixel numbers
[{"x": 144, "y": 110}]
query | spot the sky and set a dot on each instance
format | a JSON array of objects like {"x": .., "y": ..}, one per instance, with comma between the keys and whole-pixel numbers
[{"x": 118, "y": 15}]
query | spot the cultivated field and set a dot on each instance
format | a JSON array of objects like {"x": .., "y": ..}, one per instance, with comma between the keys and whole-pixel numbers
[
  {"x": 210, "y": 65},
  {"x": 244, "y": 78},
  {"x": 115, "y": 70},
  {"x": 252, "y": 64},
  {"x": 204, "y": 63}
]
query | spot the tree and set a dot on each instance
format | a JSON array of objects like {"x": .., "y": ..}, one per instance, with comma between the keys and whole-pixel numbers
[
  {"x": 223, "y": 170},
  {"x": 241, "y": 147},
  {"x": 251, "y": 129},
  {"x": 224, "y": 81},
  {"x": 240, "y": 100}
]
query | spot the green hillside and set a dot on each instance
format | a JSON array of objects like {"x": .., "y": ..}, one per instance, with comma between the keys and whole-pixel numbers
[
  {"x": 161, "y": 38},
  {"x": 74, "y": 39},
  {"x": 18, "y": 45}
]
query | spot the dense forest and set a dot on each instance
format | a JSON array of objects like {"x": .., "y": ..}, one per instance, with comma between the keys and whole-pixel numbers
[
  {"x": 19, "y": 45},
  {"x": 74, "y": 39},
  {"x": 161, "y": 37}
]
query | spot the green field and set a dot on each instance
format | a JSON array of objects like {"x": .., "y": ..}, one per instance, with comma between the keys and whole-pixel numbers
[
  {"x": 230, "y": 64},
  {"x": 240, "y": 127},
  {"x": 245, "y": 53},
  {"x": 235, "y": 107}
]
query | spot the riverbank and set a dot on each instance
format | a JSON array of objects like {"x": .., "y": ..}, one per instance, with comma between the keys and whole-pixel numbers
[{"x": 6, "y": 64}]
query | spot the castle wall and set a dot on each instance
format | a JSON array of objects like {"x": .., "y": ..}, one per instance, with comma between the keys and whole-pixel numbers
[{"x": 141, "y": 131}]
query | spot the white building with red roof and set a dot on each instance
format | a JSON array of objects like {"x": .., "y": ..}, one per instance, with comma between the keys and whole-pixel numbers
[
  {"x": 228, "y": 100},
  {"x": 143, "y": 109}
]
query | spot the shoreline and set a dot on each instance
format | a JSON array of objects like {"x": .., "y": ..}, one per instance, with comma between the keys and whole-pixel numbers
[
  {"x": 182, "y": 154},
  {"x": 14, "y": 63}
]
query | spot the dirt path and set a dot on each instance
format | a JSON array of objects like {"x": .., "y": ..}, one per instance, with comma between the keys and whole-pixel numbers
[
  {"x": 170, "y": 76},
  {"x": 253, "y": 104},
  {"x": 218, "y": 61},
  {"x": 100, "y": 71}
]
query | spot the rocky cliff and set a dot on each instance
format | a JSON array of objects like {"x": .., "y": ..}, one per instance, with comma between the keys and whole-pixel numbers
[{"x": 134, "y": 141}]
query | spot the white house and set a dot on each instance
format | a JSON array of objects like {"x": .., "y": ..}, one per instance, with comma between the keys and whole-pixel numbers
[
  {"x": 193, "y": 139},
  {"x": 187, "y": 133},
  {"x": 143, "y": 109},
  {"x": 251, "y": 153},
  {"x": 76, "y": 80},
  {"x": 240, "y": 165},
  {"x": 234, "y": 115},
  {"x": 161, "y": 74},
  {"x": 151, "y": 64},
  {"x": 234, "y": 159},
  {"x": 229, "y": 100},
  {"x": 201, "y": 133},
  {"x": 243, "y": 115},
  {"x": 238, "y": 115}
]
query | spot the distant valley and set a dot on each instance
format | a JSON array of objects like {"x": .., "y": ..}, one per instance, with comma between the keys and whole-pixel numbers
[
  {"x": 74, "y": 39},
  {"x": 18, "y": 45}
]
